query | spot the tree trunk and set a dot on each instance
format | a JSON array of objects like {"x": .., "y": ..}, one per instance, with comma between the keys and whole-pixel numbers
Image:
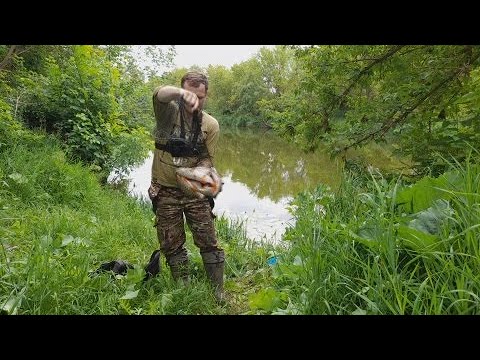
[{"x": 8, "y": 57}]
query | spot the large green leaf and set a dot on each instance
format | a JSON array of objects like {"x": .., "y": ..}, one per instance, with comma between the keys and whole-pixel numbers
[
  {"x": 416, "y": 239},
  {"x": 266, "y": 299},
  {"x": 370, "y": 235},
  {"x": 130, "y": 295},
  {"x": 423, "y": 194},
  {"x": 430, "y": 220},
  {"x": 420, "y": 233}
]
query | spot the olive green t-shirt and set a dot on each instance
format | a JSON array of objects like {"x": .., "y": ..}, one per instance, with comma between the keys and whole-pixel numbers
[{"x": 167, "y": 116}]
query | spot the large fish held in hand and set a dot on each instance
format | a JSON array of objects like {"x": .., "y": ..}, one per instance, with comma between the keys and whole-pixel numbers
[{"x": 199, "y": 181}]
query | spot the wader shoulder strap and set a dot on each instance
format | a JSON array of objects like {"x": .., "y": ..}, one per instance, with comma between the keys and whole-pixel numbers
[
  {"x": 197, "y": 124},
  {"x": 181, "y": 107}
]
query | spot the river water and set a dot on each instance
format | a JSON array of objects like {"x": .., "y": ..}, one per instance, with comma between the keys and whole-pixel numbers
[
  {"x": 261, "y": 174},
  {"x": 263, "y": 218}
]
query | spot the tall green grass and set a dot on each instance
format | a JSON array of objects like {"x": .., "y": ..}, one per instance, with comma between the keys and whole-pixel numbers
[
  {"x": 373, "y": 246},
  {"x": 57, "y": 225},
  {"x": 363, "y": 251}
]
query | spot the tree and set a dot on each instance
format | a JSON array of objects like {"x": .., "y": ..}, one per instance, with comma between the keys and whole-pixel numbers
[
  {"x": 281, "y": 76},
  {"x": 220, "y": 92},
  {"x": 248, "y": 88},
  {"x": 94, "y": 98},
  {"x": 350, "y": 95}
]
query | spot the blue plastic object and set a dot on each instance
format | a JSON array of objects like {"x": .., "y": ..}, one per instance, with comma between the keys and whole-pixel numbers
[{"x": 272, "y": 260}]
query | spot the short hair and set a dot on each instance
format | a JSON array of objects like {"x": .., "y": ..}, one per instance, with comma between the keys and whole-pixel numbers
[{"x": 195, "y": 78}]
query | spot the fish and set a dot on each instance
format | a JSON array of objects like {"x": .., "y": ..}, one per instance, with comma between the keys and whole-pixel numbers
[{"x": 199, "y": 182}]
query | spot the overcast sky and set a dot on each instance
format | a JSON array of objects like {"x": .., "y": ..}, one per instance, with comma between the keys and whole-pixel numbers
[{"x": 203, "y": 55}]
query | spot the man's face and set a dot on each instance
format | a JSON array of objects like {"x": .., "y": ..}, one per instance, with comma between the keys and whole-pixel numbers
[{"x": 199, "y": 91}]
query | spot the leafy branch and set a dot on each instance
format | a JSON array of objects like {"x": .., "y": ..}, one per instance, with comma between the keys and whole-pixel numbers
[
  {"x": 401, "y": 117},
  {"x": 340, "y": 100}
]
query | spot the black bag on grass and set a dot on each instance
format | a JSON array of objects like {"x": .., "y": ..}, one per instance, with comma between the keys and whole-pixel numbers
[{"x": 118, "y": 267}]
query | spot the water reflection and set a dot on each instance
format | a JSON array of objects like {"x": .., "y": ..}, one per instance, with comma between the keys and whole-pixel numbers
[
  {"x": 261, "y": 173},
  {"x": 263, "y": 219},
  {"x": 270, "y": 167}
]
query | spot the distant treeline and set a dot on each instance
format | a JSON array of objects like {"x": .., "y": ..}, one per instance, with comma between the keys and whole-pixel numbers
[{"x": 423, "y": 98}]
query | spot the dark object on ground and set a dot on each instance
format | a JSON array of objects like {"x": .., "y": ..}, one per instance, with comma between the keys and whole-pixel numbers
[
  {"x": 153, "y": 267},
  {"x": 119, "y": 267}
]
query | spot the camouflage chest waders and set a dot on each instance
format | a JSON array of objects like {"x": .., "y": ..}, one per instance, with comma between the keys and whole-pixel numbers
[{"x": 170, "y": 205}]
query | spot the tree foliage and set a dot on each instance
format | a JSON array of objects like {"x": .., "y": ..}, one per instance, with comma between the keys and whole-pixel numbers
[
  {"x": 94, "y": 98},
  {"x": 423, "y": 98}
]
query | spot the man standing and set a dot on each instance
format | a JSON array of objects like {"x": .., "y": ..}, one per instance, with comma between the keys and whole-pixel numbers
[{"x": 185, "y": 136}]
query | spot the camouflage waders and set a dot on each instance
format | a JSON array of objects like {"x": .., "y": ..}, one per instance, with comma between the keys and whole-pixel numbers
[{"x": 170, "y": 204}]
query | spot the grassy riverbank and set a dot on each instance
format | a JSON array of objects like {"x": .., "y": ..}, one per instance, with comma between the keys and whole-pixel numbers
[
  {"x": 58, "y": 224},
  {"x": 374, "y": 246}
]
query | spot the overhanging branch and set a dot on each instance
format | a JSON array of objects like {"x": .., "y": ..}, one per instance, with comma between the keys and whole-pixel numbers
[
  {"x": 341, "y": 98},
  {"x": 393, "y": 121}
]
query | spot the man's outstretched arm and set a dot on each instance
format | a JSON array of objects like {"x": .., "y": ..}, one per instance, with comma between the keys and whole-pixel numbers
[{"x": 167, "y": 93}]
